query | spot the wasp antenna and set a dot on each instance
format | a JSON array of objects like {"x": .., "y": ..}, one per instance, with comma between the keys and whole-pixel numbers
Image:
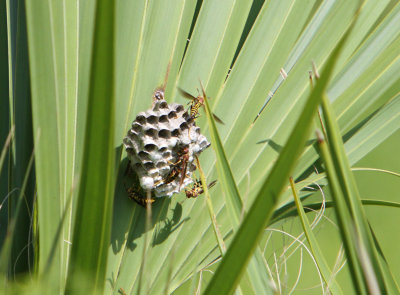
[
  {"x": 159, "y": 92},
  {"x": 166, "y": 76}
]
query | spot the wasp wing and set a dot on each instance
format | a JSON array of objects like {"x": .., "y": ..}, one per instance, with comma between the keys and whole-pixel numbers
[{"x": 186, "y": 94}]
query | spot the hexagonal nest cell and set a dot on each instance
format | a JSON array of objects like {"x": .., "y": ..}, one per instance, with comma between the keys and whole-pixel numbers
[{"x": 160, "y": 141}]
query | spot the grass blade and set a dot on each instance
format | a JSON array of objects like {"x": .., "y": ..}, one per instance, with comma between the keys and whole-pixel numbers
[
  {"x": 94, "y": 208},
  {"x": 367, "y": 268},
  {"x": 22, "y": 146},
  {"x": 213, "y": 218},
  {"x": 343, "y": 218},
  {"x": 44, "y": 113},
  {"x": 6, "y": 147},
  {"x": 327, "y": 275},
  {"x": 256, "y": 273},
  {"x": 232, "y": 198},
  {"x": 7, "y": 263}
]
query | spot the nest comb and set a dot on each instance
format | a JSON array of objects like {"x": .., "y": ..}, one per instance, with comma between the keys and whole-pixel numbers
[{"x": 154, "y": 142}]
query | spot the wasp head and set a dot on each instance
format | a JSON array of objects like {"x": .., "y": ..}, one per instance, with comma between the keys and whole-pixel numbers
[{"x": 158, "y": 94}]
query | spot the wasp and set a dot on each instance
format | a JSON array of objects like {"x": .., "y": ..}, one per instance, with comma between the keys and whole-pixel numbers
[
  {"x": 159, "y": 92},
  {"x": 180, "y": 167},
  {"x": 174, "y": 172},
  {"x": 138, "y": 195},
  {"x": 196, "y": 103},
  {"x": 197, "y": 189}
]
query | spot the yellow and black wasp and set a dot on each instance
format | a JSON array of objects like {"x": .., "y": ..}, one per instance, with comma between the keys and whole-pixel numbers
[
  {"x": 196, "y": 103},
  {"x": 138, "y": 195},
  {"x": 197, "y": 189},
  {"x": 180, "y": 167},
  {"x": 136, "y": 192},
  {"x": 173, "y": 173}
]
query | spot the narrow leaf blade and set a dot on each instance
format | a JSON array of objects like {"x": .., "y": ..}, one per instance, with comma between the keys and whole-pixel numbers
[{"x": 94, "y": 208}]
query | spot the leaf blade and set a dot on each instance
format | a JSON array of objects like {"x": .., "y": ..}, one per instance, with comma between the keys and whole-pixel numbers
[{"x": 89, "y": 251}]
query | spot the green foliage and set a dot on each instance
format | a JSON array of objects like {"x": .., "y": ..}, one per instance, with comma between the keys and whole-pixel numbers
[
  {"x": 95, "y": 198},
  {"x": 71, "y": 89}
]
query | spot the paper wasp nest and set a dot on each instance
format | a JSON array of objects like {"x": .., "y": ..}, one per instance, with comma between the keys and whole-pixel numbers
[{"x": 154, "y": 145}]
